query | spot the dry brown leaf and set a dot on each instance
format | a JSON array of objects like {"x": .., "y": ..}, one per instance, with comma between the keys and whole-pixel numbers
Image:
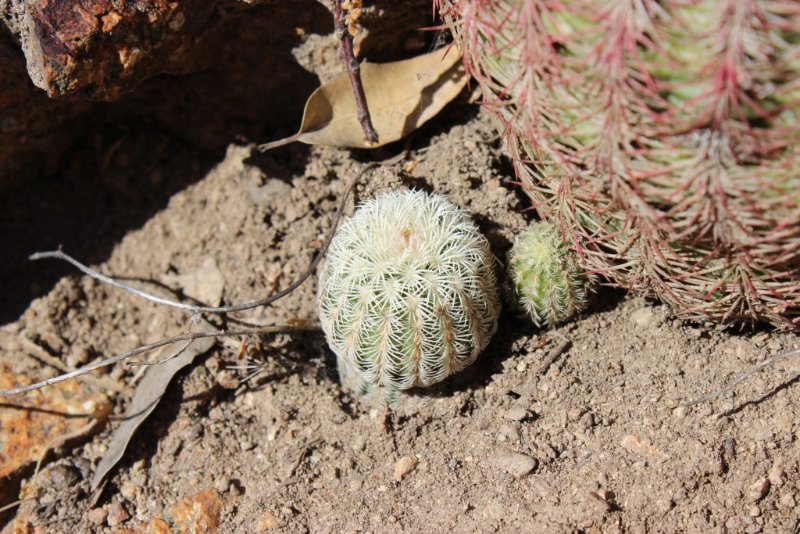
[
  {"x": 145, "y": 399},
  {"x": 401, "y": 96}
]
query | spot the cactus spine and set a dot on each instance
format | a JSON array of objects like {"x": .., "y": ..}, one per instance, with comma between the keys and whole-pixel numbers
[
  {"x": 408, "y": 295},
  {"x": 549, "y": 283},
  {"x": 662, "y": 137}
]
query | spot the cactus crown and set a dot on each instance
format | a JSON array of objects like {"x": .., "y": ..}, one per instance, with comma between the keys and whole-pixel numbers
[
  {"x": 408, "y": 294},
  {"x": 550, "y": 285}
]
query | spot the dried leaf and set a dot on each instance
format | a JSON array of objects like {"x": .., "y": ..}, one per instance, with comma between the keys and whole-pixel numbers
[
  {"x": 401, "y": 96},
  {"x": 145, "y": 399}
]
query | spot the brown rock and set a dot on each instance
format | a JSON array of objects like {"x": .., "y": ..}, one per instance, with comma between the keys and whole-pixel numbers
[
  {"x": 404, "y": 466},
  {"x": 27, "y": 433},
  {"x": 198, "y": 513},
  {"x": 117, "y": 514}
]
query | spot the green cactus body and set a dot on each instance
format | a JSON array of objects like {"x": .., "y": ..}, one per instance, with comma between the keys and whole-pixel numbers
[
  {"x": 407, "y": 294},
  {"x": 661, "y": 136},
  {"x": 550, "y": 285}
]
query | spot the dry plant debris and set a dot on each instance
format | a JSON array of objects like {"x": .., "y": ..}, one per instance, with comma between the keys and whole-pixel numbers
[{"x": 402, "y": 96}]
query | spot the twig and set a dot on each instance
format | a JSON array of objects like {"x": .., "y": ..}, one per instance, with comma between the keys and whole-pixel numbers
[
  {"x": 353, "y": 70},
  {"x": 58, "y": 254},
  {"x": 11, "y": 505},
  {"x": 175, "y": 354},
  {"x": 187, "y": 336},
  {"x": 742, "y": 377},
  {"x": 41, "y": 354}
]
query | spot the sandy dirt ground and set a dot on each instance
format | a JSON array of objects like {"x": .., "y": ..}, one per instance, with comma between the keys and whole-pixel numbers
[{"x": 593, "y": 440}]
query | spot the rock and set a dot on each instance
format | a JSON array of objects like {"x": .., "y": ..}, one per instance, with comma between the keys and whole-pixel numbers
[
  {"x": 514, "y": 463},
  {"x": 198, "y": 513},
  {"x": 227, "y": 379},
  {"x": 117, "y": 514},
  {"x": 228, "y": 69},
  {"x": 758, "y": 489},
  {"x": 97, "y": 516},
  {"x": 776, "y": 475},
  {"x": 517, "y": 413},
  {"x": 404, "y": 466},
  {"x": 27, "y": 434}
]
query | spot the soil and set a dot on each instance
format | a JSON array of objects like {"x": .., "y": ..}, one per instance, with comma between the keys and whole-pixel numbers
[{"x": 596, "y": 441}]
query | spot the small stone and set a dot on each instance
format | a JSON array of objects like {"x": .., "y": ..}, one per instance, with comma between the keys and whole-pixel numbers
[
  {"x": 227, "y": 379},
  {"x": 515, "y": 464},
  {"x": 642, "y": 317},
  {"x": 62, "y": 476},
  {"x": 194, "y": 432},
  {"x": 776, "y": 475},
  {"x": 753, "y": 510},
  {"x": 128, "y": 490},
  {"x": 97, "y": 516},
  {"x": 268, "y": 521},
  {"x": 404, "y": 466},
  {"x": 758, "y": 490},
  {"x": 117, "y": 514},
  {"x": 216, "y": 414},
  {"x": 222, "y": 484},
  {"x": 517, "y": 413}
]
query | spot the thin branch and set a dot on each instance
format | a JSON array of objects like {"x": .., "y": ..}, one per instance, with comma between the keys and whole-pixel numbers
[
  {"x": 195, "y": 309},
  {"x": 187, "y": 336},
  {"x": 742, "y": 377},
  {"x": 175, "y": 354},
  {"x": 353, "y": 71}
]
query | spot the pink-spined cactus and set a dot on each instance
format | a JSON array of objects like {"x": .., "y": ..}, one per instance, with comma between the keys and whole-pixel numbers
[{"x": 660, "y": 137}]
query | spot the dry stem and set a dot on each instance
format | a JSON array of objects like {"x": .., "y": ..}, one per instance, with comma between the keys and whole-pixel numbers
[{"x": 340, "y": 22}]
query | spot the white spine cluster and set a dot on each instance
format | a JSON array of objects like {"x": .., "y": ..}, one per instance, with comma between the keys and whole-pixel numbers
[{"x": 408, "y": 295}]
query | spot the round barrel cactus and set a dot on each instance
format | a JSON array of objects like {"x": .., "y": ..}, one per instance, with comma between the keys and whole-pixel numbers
[
  {"x": 407, "y": 294},
  {"x": 660, "y": 137},
  {"x": 549, "y": 283}
]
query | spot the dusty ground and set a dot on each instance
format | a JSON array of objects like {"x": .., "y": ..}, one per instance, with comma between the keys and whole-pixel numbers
[{"x": 595, "y": 442}]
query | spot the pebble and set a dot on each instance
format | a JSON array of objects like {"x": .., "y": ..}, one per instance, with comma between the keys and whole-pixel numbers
[
  {"x": 117, "y": 514},
  {"x": 517, "y": 413},
  {"x": 97, "y": 516},
  {"x": 515, "y": 464},
  {"x": 227, "y": 379},
  {"x": 62, "y": 476},
  {"x": 776, "y": 475},
  {"x": 128, "y": 490},
  {"x": 404, "y": 466},
  {"x": 222, "y": 484},
  {"x": 758, "y": 490}
]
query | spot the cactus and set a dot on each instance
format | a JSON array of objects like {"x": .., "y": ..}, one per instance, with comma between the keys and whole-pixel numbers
[
  {"x": 549, "y": 284},
  {"x": 407, "y": 295},
  {"x": 659, "y": 137}
]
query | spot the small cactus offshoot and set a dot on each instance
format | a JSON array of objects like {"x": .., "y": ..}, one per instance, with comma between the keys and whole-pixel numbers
[
  {"x": 549, "y": 284},
  {"x": 407, "y": 295}
]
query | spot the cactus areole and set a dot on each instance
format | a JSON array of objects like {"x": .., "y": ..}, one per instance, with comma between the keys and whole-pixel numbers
[
  {"x": 662, "y": 139},
  {"x": 407, "y": 294}
]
